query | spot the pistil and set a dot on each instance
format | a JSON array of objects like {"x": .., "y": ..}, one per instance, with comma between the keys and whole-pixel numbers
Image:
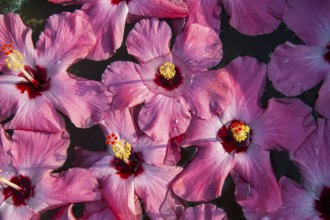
[
  {"x": 167, "y": 70},
  {"x": 7, "y": 182},
  {"x": 240, "y": 131},
  {"x": 120, "y": 148}
]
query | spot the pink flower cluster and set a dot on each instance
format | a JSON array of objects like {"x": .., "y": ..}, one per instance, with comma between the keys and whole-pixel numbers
[{"x": 171, "y": 95}]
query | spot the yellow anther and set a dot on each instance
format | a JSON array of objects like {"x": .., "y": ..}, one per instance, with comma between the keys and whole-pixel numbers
[
  {"x": 240, "y": 131},
  {"x": 167, "y": 70}
]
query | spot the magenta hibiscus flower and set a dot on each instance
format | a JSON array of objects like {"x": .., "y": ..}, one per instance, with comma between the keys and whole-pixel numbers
[
  {"x": 171, "y": 84},
  {"x": 239, "y": 142},
  {"x": 27, "y": 185},
  {"x": 310, "y": 201},
  {"x": 35, "y": 82},
  {"x": 108, "y": 18},
  {"x": 296, "y": 68},
  {"x": 133, "y": 168}
]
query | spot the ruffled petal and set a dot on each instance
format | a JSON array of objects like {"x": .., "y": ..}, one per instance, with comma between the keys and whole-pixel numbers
[
  {"x": 172, "y": 207},
  {"x": 152, "y": 186},
  {"x": 13, "y": 31},
  {"x": 123, "y": 81},
  {"x": 10, "y": 95},
  {"x": 85, "y": 158},
  {"x": 323, "y": 101},
  {"x": 198, "y": 47},
  {"x": 108, "y": 23},
  {"x": 309, "y": 20},
  {"x": 204, "y": 212},
  {"x": 203, "y": 178},
  {"x": 98, "y": 210},
  {"x": 294, "y": 69},
  {"x": 256, "y": 185},
  {"x": 158, "y": 8},
  {"x": 285, "y": 125},
  {"x": 65, "y": 39},
  {"x": 255, "y": 17},
  {"x": 149, "y": 38},
  {"x": 83, "y": 101},
  {"x": 162, "y": 117}
]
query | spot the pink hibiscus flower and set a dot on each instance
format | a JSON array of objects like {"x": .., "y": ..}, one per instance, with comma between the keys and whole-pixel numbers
[
  {"x": 108, "y": 18},
  {"x": 296, "y": 68},
  {"x": 171, "y": 84},
  {"x": 35, "y": 83},
  {"x": 311, "y": 200},
  {"x": 239, "y": 142},
  {"x": 132, "y": 168},
  {"x": 27, "y": 184}
]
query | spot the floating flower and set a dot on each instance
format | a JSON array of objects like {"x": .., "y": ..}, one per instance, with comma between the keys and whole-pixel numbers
[
  {"x": 171, "y": 84},
  {"x": 35, "y": 83},
  {"x": 238, "y": 142}
]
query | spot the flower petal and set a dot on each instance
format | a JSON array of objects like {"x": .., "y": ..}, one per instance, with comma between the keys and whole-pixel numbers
[
  {"x": 294, "y": 69},
  {"x": 204, "y": 212},
  {"x": 198, "y": 47},
  {"x": 10, "y": 95},
  {"x": 65, "y": 39},
  {"x": 285, "y": 124},
  {"x": 322, "y": 102},
  {"x": 255, "y": 17},
  {"x": 162, "y": 117},
  {"x": 172, "y": 207},
  {"x": 203, "y": 178},
  {"x": 149, "y": 38},
  {"x": 97, "y": 210},
  {"x": 9, "y": 211}
]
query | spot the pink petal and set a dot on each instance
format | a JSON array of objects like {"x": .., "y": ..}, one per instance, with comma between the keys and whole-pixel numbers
[
  {"x": 255, "y": 17},
  {"x": 103, "y": 167},
  {"x": 36, "y": 114},
  {"x": 309, "y": 20},
  {"x": 285, "y": 124},
  {"x": 158, "y": 8},
  {"x": 66, "y": 38},
  {"x": 203, "y": 178},
  {"x": 151, "y": 187},
  {"x": 5, "y": 147},
  {"x": 108, "y": 23},
  {"x": 204, "y": 212},
  {"x": 13, "y": 31},
  {"x": 322, "y": 102},
  {"x": 83, "y": 101},
  {"x": 65, "y": 213},
  {"x": 9, "y": 211},
  {"x": 149, "y": 38},
  {"x": 205, "y": 13},
  {"x": 172, "y": 207},
  {"x": 124, "y": 82},
  {"x": 256, "y": 186},
  {"x": 198, "y": 47},
  {"x": 207, "y": 95},
  {"x": 294, "y": 69},
  {"x": 98, "y": 210},
  {"x": 9, "y": 95},
  {"x": 67, "y": 2},
  {"x": 173, "y": 155},
  {"x": 162, "y": 117},
  {"x": 297, "y": 203},
  {"x": 85, "y": 158}
]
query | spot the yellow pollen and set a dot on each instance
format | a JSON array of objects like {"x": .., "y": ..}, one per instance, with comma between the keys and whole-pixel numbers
[
  {"x": 7, "y": 182},
  {"x": 121, "y": 148},
  {"x": 167, "y": 70},
  {"x": 240, "y": 131}
]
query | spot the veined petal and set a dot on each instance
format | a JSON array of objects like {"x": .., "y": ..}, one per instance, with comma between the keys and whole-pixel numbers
[
  {"x": 204, "y": 212},
  {"x": 8, "y": 211},
  {"x": 10, "y": 95},
  {"x": 97, "y": 210},
  {"x": 322, "y": 102}
]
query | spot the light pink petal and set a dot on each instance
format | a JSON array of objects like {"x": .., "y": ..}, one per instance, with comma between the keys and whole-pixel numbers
[
  {"x": 207, "y": 95},
  {"x": 85, "y": 158},
  {"x": 248, "y": 81},
  {"x": 149, "y": 38},
  {"x": 162, "y": 117},
  {"x": 9, "y": 211},
  {"x": 158, "y": 8},
  {"x": 203, "y": 178},
  {"x": 151, "y": 187},
  {"x": 255, "y": 17},
  {"x": 123, "y": 81},
  {"x": 66, "y": 39},
  {"x": 83, "y": 101},
  {"x": 9, "y": 95},
  {"x": 172, "y": 207},
  {"x": 108, "y": 23},
  {"x": 173, "y": 155},
  {"x": 309, "y": 20},
  {"x": 205, "y": 13},
  {"x": 285, "y": 124},
  {"x": 198, "y": 47},
  {"x": 204, "y": 212},
  {"x": 323, "y": 101},
  {"x": 36, "y": 114},
  {"x": 13, "y": 31},
  {"x": 98, "y": 210},
  {"x": 256, "y": 185},
  {"x": 5, "y": 147},
  {"x": 294, "y": 69},
  {"x": 297, "y": 203},
  {"x": 312, "y": 159}
]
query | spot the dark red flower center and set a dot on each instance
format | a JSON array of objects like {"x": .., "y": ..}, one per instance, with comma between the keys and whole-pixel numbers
[
  {"x": 132, "y": 166},
  {"x": 116, "y": 2},
  {"x": 323, "y": 204},
  {"x": 19, "y": 196},
  {"x": 168, "y": 76},
  {"x": 235, "y": 137},
  {"x": 327, "y": 54},
  {"x": 40, "y": 84}
]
